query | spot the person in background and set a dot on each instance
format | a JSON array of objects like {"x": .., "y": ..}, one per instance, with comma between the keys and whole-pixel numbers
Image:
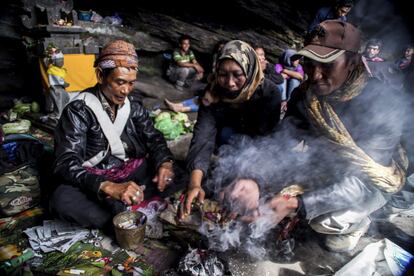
[
  {"x": 270, "y": 73},
  {"x": 57, "y": 97},
  {"x": 238, "y": 101},
  {"x": 108, "y": 154},
  {"x": 372, "y": 50},
  {"x": 339, "y": 11},
  {"x": 268, "y": 68},
  {"x": 377, "y": 68},
  {"x": 292, "y": 73},
  {"x": 185, "y": 68},
  {"x": 192, "y": 105},
  {"x": 404, "y": 62},
  {"x": 349, "y": 127}
]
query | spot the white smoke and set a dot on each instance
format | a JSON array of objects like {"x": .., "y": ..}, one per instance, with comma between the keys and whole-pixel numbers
[{"x": 282, "y": 158}]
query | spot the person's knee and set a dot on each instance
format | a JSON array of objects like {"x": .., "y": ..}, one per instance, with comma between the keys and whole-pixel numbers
[
  {"x": 172, "y": 74},
  {"x": 293, "y": 83},
  {"x": 69, "y": 204},
  {"x": 97, "y": 220},
  {"x": 191, "y": 72},
  {"x": 183, "y": 73},
  {"x": 60, "y": 199}
]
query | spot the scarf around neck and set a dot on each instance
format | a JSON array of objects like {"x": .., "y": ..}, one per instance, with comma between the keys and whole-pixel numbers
[{"x": 322, "y": 116}]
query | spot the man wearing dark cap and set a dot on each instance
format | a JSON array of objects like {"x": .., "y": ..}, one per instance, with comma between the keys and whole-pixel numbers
[
  {"x": 359, "y": 122},
  {"x": 349, "y": 133},
  {"x": 106, "y": 147}
]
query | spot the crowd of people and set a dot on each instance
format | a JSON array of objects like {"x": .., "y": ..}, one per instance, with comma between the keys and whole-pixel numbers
[{"x": 345, "y": 107}]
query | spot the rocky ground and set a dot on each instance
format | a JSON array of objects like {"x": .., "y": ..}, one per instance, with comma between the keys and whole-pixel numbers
[
  {"x": 154, "y": 89},
  {"x": 310, "y": 258}
]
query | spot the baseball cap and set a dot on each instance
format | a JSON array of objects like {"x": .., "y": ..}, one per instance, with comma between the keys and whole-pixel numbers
[{"x": 330, "y": 39}]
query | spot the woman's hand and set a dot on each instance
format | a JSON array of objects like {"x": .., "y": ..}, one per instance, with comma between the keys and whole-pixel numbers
[
  {"x": 129, "y": 192},
  {"x": 194, "y": 192},
  {"x": 164, "y": 176}
]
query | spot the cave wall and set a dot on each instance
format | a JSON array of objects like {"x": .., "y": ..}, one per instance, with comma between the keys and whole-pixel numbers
[
  {"x": 14, "y": 66},
  {"x": 154, "y": 26}
]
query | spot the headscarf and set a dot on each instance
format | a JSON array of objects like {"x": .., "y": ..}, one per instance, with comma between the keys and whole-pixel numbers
[
  {"x": 117, "y": 53},
  {"x": 246, "y": 57}
]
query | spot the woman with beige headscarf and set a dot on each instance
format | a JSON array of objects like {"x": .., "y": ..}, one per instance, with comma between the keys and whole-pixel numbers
[
  {"x": 107, "y": 149},
  {"x": 239, "y": 101}
]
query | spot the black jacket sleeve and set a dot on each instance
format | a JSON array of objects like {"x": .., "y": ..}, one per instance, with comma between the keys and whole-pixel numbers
[
  {"x": 204, "y": 140},
  {"x": 70, "y": 147}
]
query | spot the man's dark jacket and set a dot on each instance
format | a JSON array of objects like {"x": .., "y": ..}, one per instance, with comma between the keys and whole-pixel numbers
[{"x": 78, "y": 137}]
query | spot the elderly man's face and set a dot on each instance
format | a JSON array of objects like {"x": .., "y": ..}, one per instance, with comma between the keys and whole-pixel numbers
[
  {"x": 118, "y": 84},
  {"x": 325, "y": 78}
]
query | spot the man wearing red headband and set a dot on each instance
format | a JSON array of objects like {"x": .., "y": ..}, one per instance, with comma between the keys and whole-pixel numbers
[{"x": 107, "y": 149}]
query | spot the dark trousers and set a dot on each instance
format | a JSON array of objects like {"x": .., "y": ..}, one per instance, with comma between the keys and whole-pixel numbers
[{"x": 72, "y": 204}]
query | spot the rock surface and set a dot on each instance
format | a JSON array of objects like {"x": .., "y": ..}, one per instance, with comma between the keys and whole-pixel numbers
[{"x": 154, "y": 26}]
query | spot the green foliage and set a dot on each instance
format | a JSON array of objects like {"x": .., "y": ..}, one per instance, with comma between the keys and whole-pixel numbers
[
  {"x": 180, "y": 117},
  {"x": 162, "y": 116},
  {"x": 173, "y": 125},
  {"x": 55, "y": 261},
  {"x": 21, "y": 126},
  {"x": 35, "y": 107}
]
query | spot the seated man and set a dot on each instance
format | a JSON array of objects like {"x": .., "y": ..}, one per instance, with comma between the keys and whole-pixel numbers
[
  {"x": 270, "y": 73},
  {"x": 267, "y": 67},
  {"x": 339, "y": 12},
  {"x": 291, "y": 71},
  {"x": 379, "y": 68},
  {"x": 185, "y": 67},
  {"x": 403, "y": 63},
  {"x": 107, "y": 149},
  {"x": 349, "y": 161},
  {"x": 375, "y": 63}
]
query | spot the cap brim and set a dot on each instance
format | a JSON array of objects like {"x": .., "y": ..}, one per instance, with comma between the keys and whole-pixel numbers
[{"x": 320, "y": 53}]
